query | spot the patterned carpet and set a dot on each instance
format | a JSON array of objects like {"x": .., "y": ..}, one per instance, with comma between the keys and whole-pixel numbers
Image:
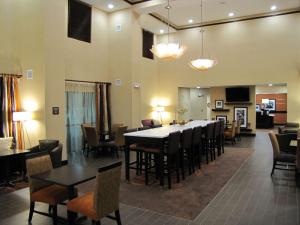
[{"x": 188, "y": 198}]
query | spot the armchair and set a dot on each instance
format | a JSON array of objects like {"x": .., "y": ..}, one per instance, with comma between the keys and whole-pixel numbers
[{"x": 53, "y": 147}]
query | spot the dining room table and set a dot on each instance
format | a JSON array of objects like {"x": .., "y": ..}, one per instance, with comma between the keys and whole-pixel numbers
[
  {"x": 156, "y": 137},
  {"x": 8, "y": 158}
]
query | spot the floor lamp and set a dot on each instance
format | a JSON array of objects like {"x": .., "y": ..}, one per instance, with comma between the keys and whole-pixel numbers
[
  {"x": 160, "y": 110},
  {"x": 22, "y": 117}
]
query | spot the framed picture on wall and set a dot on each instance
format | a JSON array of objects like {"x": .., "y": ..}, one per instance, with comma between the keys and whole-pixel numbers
[
  {"x": 221, "y": 118},
  {"x": 271, "y": 105},
  {"x": 219, "y": 104},
  {"x": 241, "y": 113}
]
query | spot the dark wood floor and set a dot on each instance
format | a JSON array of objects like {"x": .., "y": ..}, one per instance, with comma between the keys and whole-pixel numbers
[{"x": 250, "y": 197}]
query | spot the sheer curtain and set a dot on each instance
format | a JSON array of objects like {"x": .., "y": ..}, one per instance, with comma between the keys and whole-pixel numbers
[{"x": 80, "y": 108}]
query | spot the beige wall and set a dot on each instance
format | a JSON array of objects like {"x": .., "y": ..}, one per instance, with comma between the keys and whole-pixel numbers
[
  {"x": 22, "y": 49},
  {"x": 218, "y": 93},
  {"x": 249, "y": 52},
  {"x": 68, "y": 58}
]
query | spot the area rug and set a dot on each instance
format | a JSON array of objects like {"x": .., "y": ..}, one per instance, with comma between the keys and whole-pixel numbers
[
  {"x": 188, "y": 198},
  {"x": 18, "y": 186}
]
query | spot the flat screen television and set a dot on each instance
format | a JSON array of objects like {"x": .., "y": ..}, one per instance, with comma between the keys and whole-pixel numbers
[{"x": 237, "y": 94}]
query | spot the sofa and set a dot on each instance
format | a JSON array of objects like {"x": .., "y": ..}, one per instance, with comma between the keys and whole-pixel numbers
[
  {"x": 291, "y": 128},
  {"x": 151, "y": 123},
  {"x": 53, "y": 147}
]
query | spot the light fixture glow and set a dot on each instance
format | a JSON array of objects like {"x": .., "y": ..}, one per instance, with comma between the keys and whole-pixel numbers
[
  {"x": 203, "y": 63},
  {"x": 198, "y": 87},
  {"x": 270, "y": 85},
  {"x": 161, "y": 31},
  {"x": 190, "y": 21},
  {"x": 273, "y": 7},
  {"x": 168, "y": 51},
  {"x": 231, "y": 14},
  {"x": 110, "y": 6}
]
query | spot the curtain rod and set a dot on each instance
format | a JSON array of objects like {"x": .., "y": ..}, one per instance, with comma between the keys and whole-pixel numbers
[
  {"x": 85, "y": 81},
  {"x": 11, "y": 75}
]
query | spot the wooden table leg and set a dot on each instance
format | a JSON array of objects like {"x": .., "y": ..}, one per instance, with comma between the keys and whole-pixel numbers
[{"x": 127, "y": 160}]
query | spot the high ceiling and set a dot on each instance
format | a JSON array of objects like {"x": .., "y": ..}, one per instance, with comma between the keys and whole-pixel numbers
[{"x": 214, "y": 11}]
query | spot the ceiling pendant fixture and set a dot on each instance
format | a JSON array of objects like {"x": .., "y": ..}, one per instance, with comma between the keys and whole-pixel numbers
[
  {"x": 203, "y": 63},
  {"x": 168, "y": 51}
]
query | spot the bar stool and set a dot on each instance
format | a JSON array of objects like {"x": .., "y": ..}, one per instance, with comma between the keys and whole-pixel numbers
[
  {"x": 209, "y": 141},
  {"x": 197, "y": 145},
  {"x": 186, "y": 151}
]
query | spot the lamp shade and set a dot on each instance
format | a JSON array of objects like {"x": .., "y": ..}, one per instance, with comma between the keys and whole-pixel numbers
[
  {"x": 159, "y": 108},
  {"x": 21, "y": 116}
]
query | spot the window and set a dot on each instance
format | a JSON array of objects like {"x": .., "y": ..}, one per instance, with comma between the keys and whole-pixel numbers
[
  {"x": 148, "y": 38},
  {"x": 79, "y": 24}
]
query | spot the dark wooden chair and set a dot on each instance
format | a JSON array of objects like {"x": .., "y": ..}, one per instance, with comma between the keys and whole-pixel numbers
[
  {"x": 165, "y": 162},
  {"x": 103, "y": 201},
  {"x": 197, "y": 145},
  {"x": 93, "y": 141},
  {"x": 284, "y": 160},
  {"x": 217, "y": 128},
  {"x": 186, "y": 152},
  {"x": 221, "y": 140},
  {"x": 209, "y": 141}
]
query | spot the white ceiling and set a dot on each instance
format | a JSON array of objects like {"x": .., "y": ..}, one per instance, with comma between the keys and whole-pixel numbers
[
  {"x": 213, "y": 10},
  {"x": 216, "y": 10}
]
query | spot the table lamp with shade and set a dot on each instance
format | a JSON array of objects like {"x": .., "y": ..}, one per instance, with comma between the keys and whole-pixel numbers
[{"x": 22, "y": 117}]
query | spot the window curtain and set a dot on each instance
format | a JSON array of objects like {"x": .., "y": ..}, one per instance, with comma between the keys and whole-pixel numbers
[
  {"x": 10, "y": 102},
  {"x": 103, "y": 109},
  {"x": 80, "y": 108}
]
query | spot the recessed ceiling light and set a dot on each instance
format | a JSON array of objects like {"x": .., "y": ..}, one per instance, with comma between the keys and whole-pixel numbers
[
  {"x": 270, "y": 85},
  {"x": 231, "y": 14},
  {"x": 198, "y": 87},
  {"x": 273, "y": 7},
  {"x": 190, "y": 21},
  {"x": 110, "y": 6},
  {"x": 161, "y": 31}
]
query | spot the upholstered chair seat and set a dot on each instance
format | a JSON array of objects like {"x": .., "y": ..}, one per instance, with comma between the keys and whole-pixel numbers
[{"x": 51, "y": 195}]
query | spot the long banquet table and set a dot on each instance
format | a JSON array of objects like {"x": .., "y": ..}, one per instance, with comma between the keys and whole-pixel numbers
[{"x": 155, "y": 136}]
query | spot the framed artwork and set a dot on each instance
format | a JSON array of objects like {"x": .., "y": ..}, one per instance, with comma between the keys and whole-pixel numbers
[
  {"x": 221, "y": 118},
  {"x": 55, "y": 110},
  {"x": 219, "y": 104},
  {"x": 241, "y": 113},
  {"x": 257, "y": 107},
  {"x": 271, "y": 106}
]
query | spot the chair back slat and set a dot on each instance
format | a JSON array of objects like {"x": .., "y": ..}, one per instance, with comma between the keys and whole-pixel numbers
[
  {"x": 35, "y": 164},
  {"x": 217, "y": 129},
  {"x": 187, "y": 136},
  {"x": 197, "y": 135},
  {"x": 106, "y": 193},
  {"x": 92, "y": 136},
  {"x": 210, "y": 130},
  {"x": 174, "y": 141},
  {"x": 275, "y": 145},
  {"x": 120, "y": 139}
]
